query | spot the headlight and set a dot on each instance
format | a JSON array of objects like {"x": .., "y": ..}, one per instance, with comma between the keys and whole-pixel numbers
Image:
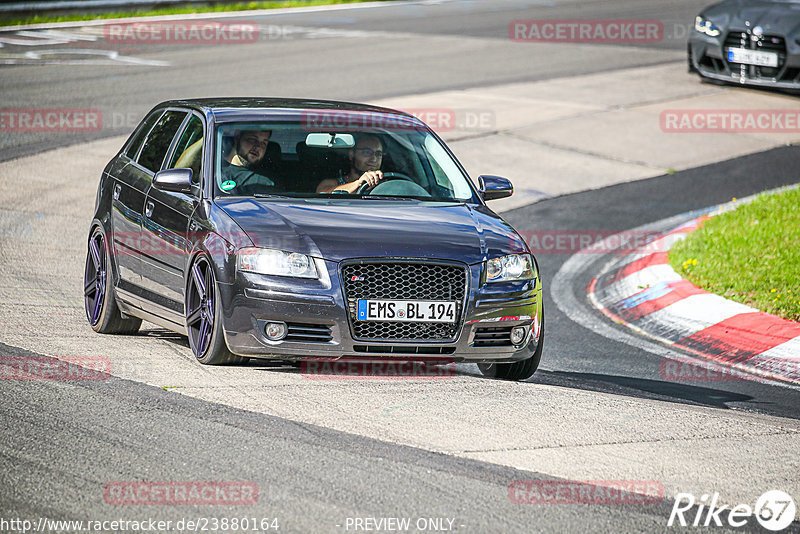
[
  {"x": 508, "y": 268},
  {"x": 705, "y": 26},
  {"x": 275, "y": 262}
]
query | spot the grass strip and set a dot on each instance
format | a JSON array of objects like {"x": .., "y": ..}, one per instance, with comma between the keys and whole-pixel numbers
[
  {"x": 750, "y": 255},
  {"x": 243, "y": 6}
]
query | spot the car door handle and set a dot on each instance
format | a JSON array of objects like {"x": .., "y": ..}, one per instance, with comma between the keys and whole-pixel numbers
[
  {"x": 117, "y": 190},
  {"x": 148, "y": 208}
]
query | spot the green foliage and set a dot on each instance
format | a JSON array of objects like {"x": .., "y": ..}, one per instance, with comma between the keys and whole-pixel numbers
[
  {"x": 37, "y": 19},
  {"x": 750, "y": 255}
]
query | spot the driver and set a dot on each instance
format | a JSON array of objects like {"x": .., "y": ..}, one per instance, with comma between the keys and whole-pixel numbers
[
  {"x": 365, "y": 167},
  {"x": 247, "y": 153}
]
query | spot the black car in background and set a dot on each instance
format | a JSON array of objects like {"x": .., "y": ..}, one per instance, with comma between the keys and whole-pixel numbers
[
  {"x": 250, "y": 261},
  {"x": 748, "y": 42}
]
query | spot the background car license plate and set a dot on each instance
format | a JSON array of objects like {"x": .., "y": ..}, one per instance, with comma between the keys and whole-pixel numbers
[
  {"x": 752, "y": 57},
  {"x": 428, "y": 311}
]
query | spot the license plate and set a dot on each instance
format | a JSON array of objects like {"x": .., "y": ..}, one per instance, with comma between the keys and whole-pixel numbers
[
  {"x": 752, "y": 57},
  {"x": 422, "y": 311}
]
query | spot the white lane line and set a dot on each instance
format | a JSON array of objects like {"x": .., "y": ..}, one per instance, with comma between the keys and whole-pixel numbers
[
  {"x": 32, "y": 42},
  {"x": 112, "y": 58},
  {"x": 53, "y": 34}
]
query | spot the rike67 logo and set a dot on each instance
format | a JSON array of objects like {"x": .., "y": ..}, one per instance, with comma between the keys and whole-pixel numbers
[{"x": 774, "y": 510}]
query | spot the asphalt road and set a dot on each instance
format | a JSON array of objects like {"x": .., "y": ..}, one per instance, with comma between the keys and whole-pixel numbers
[
  {"x": 320, "y": 453},
  {"x": 310, "y": 478},
  {"x": 578, "y": 357},
  {"x": 63, "y": 442},
  {"x": 412, "y": 47}
]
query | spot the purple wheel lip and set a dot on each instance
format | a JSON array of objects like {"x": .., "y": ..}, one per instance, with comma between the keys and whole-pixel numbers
[
  {"x": 95, "y": 277},
  {"x": 201, "y": 290}
]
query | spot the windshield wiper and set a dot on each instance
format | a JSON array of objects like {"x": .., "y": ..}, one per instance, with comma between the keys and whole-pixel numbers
[
  {"x": 387, "y": 197},
  {"x": 269, "y": 195}
]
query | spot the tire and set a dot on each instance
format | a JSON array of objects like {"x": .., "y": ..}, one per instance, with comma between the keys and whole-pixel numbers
[
  {"x": 690, "y": 65},
  {"x": 517, "y": 370},
  {"x": 98, "y": 291},
  {"x": 203, "y": 312}
]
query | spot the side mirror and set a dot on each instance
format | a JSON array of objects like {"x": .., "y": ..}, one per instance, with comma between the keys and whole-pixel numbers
[
  {"x": 494, "y": 187},
  {"x": 174, "y": 180}
]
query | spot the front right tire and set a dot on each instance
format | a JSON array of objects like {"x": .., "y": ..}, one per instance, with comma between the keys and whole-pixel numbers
[{"x": 521, "y": 370}]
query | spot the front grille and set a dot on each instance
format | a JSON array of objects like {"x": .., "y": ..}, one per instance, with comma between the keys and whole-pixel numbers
[
  {"x": 308, "y": 332},
  {"x": 494, "y": 336},
  {"x": 404, "y": 280},
  {"x": 764, "y": 43}
]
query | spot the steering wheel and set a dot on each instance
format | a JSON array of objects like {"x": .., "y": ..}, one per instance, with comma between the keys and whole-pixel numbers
[{"x": 387, "y": 176}]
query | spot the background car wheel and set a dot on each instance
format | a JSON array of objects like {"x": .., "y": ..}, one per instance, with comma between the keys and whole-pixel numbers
[
  {"x": 203, "y": 312},
  {"x": 689, "y": 58},
  {"x": 98, "y": 291},
  {"x": 517, "y": 370}
]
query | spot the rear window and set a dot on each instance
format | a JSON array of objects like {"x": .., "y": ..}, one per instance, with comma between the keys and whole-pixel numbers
[
  {"x": 141, "y": 133},
  {"x": 188, "y": 152},
  {"x": 155, "y": 148}
]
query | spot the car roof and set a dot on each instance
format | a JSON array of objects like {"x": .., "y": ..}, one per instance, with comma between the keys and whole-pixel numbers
[{"x": 232, "y": 108}]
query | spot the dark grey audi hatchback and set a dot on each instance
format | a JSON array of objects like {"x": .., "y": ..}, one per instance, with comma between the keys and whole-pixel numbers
[{"x": 302, "y": 229}]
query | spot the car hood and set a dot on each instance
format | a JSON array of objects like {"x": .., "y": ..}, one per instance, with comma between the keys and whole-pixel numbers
[
  {"x": 774, "y": 17},
  {"x": 340, "y": 229}
]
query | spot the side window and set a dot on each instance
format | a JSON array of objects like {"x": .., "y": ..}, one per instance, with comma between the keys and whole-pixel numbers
[
  {"x": 141, "y": 133},
  {"x": 188, "y": 152},
  {"x": 155, "y": 148}
]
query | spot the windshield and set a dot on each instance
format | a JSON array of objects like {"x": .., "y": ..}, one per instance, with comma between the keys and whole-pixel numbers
[{"x": 302, "y": 159}]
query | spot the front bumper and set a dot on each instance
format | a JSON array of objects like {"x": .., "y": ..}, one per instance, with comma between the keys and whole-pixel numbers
[
  {"x": 707, "y": 56},
  {"x": 320, "y": 325}
]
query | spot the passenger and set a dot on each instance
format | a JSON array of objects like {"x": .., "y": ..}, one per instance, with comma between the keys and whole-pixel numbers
[
  {"x": 239, "y": 167},
  {"x": 365, "y": 167}
]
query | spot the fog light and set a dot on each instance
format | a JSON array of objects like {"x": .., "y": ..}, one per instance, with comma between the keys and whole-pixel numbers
[
  {"x": 518, "y": 334},
  {"x": 275, "y": 331}
]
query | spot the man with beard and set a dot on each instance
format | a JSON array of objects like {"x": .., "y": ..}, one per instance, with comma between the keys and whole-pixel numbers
[
  {"x": 248, "y": 151},
  {"x": 365, "y": 167}
]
